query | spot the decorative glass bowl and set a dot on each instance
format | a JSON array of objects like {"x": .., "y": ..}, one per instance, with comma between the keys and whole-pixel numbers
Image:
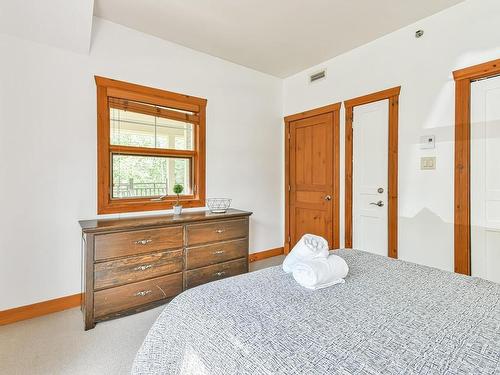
[{"x": 218, "y": 205}]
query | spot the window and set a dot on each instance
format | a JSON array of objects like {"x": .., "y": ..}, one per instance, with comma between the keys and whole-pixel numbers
[{"x": 148, "y": 141}]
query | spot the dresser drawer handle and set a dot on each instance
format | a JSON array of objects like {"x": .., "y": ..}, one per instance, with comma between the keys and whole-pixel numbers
[
  {"x": 144, "y": 267},
  {"x": 218, "y": 252},
  {"x": 143, "y": 293},
  {"x": 219, "y": 231},
  {"x": 219, "y": 274},
  {"x": 143, "y": 242}
]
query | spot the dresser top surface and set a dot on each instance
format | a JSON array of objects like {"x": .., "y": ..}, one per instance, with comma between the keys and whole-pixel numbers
[{"x": 104, "y": 225}]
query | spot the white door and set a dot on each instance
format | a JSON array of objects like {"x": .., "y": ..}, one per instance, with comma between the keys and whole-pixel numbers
[
  {"x": 485, "y": 179},
  {"x": 370, "y": 177}
]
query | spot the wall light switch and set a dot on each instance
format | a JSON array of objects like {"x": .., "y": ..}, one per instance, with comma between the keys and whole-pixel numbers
[
  {"x": 428, "y": 162},
  {"x": 427, "y": 142}
]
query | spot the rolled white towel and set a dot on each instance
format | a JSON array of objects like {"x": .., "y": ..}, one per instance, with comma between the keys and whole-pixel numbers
[
  {"x": 309, "y": 246},
  {"x": 320, "y": 272}
]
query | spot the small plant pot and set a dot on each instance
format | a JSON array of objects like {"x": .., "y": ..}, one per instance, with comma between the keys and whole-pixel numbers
[{"x": 177, "y": 210}]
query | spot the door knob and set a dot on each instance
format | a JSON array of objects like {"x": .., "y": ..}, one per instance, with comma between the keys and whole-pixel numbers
[
  {"x": 328, "y": 198},
  {"x": 379, "y": 203}
]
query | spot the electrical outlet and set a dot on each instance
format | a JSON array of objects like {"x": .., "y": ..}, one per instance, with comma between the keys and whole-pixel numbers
[{"x": 428, "y": 162}]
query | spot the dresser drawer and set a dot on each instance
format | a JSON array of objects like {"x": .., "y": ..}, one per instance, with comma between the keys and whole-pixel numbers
[
  {"x": 109, "y": 301},
  {"x": 121, "y": 244},
  {"x": 218, "y": 231},
  {"x": 128, "y": 270},
  {"x": 217, "y": 271},
  {"x": 206, "y": 255}
]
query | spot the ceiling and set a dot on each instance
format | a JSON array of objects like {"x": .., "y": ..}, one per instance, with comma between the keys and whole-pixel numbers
[
  {"x": 61, "y": 23},
  {"x": 278, "y": 37}
]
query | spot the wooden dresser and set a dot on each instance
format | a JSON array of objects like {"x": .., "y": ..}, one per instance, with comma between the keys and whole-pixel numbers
[{"x": 133, "y": 264}]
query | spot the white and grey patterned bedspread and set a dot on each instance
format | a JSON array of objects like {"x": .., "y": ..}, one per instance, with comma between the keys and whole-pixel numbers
[{"x": 390, "y": 317}]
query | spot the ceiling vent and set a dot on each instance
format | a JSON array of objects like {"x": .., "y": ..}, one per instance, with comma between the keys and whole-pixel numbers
[{"x": 317, "y": 76}]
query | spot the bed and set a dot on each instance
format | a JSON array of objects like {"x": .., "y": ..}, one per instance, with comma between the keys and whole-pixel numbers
[{"x": 390, "y": 317}]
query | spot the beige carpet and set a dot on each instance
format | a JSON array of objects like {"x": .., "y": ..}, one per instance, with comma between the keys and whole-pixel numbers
[{"x": 57, "y": 344}]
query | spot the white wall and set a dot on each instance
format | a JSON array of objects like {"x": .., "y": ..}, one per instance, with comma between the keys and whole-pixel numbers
[
  {"x": 48, "y": 147},
  {"x": 48, "y": 135},
  {"x": 461, "y": 36}
]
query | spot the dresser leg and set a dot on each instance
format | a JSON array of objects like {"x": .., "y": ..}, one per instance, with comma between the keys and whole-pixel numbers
[{"x": 89, "y": 325}]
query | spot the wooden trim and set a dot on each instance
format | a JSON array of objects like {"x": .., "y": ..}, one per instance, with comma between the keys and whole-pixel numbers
[
  {"x": 373, "y": 97},
  {"x": 150, "y": 151},
  {"x": 128, "y": 91},
  {"x": 199, "y": 178},
  {"x": 149, "y": 91},
  {"x": 265, "y": 254},
  {"x": 462, "y": 178},
  {"x": 336, "y": 177},
  {"x": 131, "y": 205},
  {"x": 483, "y": 70},
  {"x": 392, "y": 95},
  {"x": 463, "y": 79},
  {"x": 335, "y": 110},
  {"x": 38, "y": 309},
  {"x": 348, "y": 178},
  {"x": 314, "y": 112},
  {"x": 286, "y": 246},
  {"x": 392, "y": 191},
  {"x": 103, "y": 158}
]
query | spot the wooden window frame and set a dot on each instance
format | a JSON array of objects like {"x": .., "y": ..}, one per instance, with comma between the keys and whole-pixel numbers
[
  {"x": 334, "y": 109},
  {"x": 462, "y": 236},
  {"x": 106, "y": 88},
  {"x": 392, "y": 95}
]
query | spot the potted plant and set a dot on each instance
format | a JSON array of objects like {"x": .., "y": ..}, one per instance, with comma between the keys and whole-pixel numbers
[{"x": 178, "y": 189}]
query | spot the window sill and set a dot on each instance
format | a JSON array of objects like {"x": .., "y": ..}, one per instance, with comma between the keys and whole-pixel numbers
[{"x": 119, "y": 207}]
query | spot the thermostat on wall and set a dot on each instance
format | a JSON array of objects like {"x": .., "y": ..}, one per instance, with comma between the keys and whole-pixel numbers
[{"x": 427, "y": 141}]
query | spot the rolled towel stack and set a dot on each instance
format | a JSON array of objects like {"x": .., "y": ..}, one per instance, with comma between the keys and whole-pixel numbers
[
  {"x": 312, "y": 265},
  {"x": 320, "y": 272},
  {"x": 309, "y": 247}
]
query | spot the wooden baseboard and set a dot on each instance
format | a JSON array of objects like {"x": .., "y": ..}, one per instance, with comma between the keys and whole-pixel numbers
[
  {"x": 59, "y": 304},
  {"x": 38, "y": 309},
  {"x": 265, "y": 254}
]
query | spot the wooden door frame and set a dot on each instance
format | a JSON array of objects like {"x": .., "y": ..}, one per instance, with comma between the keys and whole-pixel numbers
[
  {"x": 334, "y": 109},
  {"x": 392, "y": 95},
  {"x": 463, "y": 79}
]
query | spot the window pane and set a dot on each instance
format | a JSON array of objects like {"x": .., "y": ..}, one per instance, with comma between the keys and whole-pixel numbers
[
  {"x": 149, "y": 176},
  {"x": 129, "y": 127}
]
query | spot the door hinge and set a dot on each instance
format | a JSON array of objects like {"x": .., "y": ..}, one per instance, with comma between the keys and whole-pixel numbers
[
  {"x": 289, "y": 188},
  {"x": 288, "y": 135},
  {"x": 289, "y": 239}
]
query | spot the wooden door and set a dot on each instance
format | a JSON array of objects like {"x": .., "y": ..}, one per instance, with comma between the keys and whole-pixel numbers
[
  {"x": 311, "y": 177},
  {"x": 370, "y": 177}
]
